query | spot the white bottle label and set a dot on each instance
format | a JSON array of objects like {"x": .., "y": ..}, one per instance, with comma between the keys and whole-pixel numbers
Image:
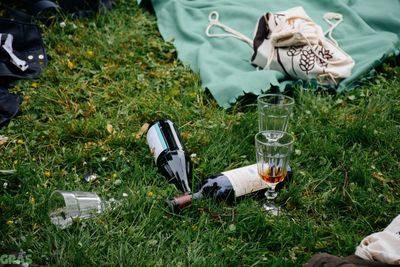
[
  {"x": 245, "y": 180},
  {"x": 156, "y": 141}
]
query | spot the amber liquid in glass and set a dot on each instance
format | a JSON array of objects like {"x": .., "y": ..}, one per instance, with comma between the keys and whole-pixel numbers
[{"x": 273, "y": 175}]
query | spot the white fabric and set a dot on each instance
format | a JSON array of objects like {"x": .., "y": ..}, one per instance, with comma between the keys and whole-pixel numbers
[
  {"x": 297, "y": 46},
  {"x": 382, "y": 246}
]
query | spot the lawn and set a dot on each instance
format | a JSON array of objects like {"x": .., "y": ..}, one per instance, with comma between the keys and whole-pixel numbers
[{"x": 110, "y": 74}]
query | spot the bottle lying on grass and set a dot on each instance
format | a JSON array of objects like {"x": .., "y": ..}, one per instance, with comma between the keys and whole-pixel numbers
[
  {"x": 170, "y": 156},
  {"x": 228, "y": 186}
]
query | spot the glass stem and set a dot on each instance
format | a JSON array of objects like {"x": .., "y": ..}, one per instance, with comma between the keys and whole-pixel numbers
[
  {"x": 270, "y": 206},
  {"x": 271, "y": 193},
  {"x": 109, "y": 204}
]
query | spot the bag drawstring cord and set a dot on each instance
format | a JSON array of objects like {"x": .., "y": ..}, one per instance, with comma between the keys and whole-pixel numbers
[
  {"x": 332, "y": 16},
  {"x": 213, "y": 19}
]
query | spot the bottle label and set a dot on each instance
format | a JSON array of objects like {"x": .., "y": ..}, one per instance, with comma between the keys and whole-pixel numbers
[
  {"x": 245, "y": 180},
  {"x": 156, "y": 140}
]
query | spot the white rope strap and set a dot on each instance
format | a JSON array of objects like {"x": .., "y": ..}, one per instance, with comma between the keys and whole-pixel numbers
[
  {"x": 332, "y": 16},
  {"x": 213, "y": 19},
  {"x": 21, "y": 64}
]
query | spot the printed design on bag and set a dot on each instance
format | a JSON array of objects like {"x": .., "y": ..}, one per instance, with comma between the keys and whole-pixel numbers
[
  {"x": 307, "y": 59},
  {"x": 325, "y": 54},
  {"x": 292, "y": 52}
]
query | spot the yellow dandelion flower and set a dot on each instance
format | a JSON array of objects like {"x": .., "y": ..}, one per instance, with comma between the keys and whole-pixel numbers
[
  {"x": 47, "y": 173},
  {"x": 150, "y": 194},
  {"x": 32, "y": 200},
  {"x": 20, "y": 141},
  {"x": 71, "y": 65},
  {"x": 35, "y": 85},
  {"x": 89, "y": 53},
  {"x": 9, "y": 222}
]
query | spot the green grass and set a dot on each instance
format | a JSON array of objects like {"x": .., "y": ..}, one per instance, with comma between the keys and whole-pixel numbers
[{"x": 116, "y": 70}]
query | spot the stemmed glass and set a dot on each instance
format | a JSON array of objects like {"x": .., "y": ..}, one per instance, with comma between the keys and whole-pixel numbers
[
  {"x": 272, "y": 162},
  {"x": 66, "y": 206}
]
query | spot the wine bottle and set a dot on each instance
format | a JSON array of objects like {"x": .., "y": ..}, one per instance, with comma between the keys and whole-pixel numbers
[
  {"x": 228, "y": 186},
  {"x": 169, "y": 154}
]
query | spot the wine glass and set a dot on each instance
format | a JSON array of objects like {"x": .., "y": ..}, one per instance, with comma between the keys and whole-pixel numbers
[
  {"x": 274, "y": 111},
  {"x": 66, "y": 206},
  {"x": 272, "y": 162}
]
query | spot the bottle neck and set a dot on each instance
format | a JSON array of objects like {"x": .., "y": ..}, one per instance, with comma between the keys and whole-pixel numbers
[
  {"x": 181, "y": 169},
  {"x": 180, "y": 202},
  {"x": 197, "y": 195}
]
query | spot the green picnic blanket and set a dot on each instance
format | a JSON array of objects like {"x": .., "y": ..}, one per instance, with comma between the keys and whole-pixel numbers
[{"x": 369, "y": 33}]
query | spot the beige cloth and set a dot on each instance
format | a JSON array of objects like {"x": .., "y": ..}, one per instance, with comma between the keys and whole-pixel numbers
[
  {"x": 382, "y": 246},
  {"x": 294, "y": 44}
]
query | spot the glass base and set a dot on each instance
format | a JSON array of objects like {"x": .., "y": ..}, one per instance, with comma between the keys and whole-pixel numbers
[{"x": 271, "y": 208}]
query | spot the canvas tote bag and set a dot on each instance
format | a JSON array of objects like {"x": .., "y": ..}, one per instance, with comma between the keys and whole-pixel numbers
[{"x": 292, "y": 43}]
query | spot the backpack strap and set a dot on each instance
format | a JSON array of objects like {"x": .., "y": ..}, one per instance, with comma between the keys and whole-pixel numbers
[
  {"x": 7, "y": 46},
  {"x": 32, "y": 10},
  {"x": 42, "y": 5},
  {"x": 81, "y": 8}
]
